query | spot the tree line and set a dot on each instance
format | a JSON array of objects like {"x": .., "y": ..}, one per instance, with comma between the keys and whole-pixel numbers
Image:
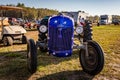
[
  {"x": 34, "y": 13},
  {"x": 30, "y": 13}
]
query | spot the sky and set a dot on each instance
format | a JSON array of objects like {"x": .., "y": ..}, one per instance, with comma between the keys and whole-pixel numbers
[{"x": 93, "y": 7}]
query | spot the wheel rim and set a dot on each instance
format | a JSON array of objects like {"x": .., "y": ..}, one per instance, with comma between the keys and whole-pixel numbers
[
  {"x": 90, "y": 62},
  {"x": 92, "y": 56}
]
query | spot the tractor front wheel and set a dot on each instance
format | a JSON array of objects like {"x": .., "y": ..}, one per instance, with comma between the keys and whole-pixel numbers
[
  {"x": 31, "y": 56},
  {"x": 94, "y": 62}
]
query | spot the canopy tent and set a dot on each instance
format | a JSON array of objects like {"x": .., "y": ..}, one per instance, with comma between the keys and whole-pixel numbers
[
  {"x": 7, "y": 8},
  {"x": 10, "y": 8}
]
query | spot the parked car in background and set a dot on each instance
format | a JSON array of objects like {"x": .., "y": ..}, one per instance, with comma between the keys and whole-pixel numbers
[
  {"x": 25, "y": 23},
  {"x": 20, "y": 20},
  {"x": 36, "y": 23},
  {"x": 116, "y": 22}
]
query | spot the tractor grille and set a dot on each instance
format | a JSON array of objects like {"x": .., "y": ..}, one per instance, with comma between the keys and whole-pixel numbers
[{"x": 60, "y": 41}]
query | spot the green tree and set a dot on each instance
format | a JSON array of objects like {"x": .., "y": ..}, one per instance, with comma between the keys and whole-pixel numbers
[{"x": 20, "y": 5}]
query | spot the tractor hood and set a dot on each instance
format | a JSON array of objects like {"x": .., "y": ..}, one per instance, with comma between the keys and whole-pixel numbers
[{"x": 15, "y": 29}]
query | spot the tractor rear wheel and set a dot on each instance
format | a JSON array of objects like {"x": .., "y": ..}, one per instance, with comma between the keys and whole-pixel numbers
[{"x": 87, "y": 32}]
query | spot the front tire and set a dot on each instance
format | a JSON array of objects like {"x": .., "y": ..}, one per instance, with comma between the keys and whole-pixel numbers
[
  {"x": 31, "y": 56},
  {"x": 7, "y": 41},
  {"x": 24, "y": 39},
  {"x": 93, "y": 64}
]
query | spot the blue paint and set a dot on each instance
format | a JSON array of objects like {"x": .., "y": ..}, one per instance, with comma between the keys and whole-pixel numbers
[{"x": 60, "y": 33}]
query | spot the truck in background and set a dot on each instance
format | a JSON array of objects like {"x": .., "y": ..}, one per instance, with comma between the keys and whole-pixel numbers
[
  {"x": 105, "y": 19},
  {"x": 76, "y": 15}
]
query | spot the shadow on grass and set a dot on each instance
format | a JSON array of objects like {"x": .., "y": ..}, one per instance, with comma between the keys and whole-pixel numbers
[
  {"x": 68, "y": 75},
  {"x": 15, "y": 43},
  {"x": 13, "y": 66},
  {"x": 45, "y": 59}
]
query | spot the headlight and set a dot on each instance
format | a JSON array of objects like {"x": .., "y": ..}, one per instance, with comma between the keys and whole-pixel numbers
[
  {"x": 79, "y": 30},
  {"x": 43, "y": 28}
]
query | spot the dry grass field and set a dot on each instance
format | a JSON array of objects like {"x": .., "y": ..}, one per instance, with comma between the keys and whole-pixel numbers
[{"x": 13, "y": 60}]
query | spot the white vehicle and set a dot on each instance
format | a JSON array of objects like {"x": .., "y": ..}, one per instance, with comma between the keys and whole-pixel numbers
[
  {"x": 105, "y": 19},
  {"x": 76, "y": 15},
  {"x": 10, "y": 33}
]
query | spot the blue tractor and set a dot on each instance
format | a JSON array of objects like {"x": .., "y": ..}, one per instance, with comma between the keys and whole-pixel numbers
[{"x": 56, "y": 36}]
